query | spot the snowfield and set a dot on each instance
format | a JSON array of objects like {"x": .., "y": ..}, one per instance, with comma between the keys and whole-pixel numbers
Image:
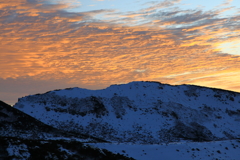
[{"x": 218, "y": 150}]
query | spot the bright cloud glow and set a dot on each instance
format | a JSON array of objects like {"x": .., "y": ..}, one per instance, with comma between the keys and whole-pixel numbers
[{"x": 231, "y": 47}]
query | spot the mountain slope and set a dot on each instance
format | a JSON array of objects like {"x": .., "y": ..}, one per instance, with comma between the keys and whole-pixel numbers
[
  {"x": 15, "y": 123},
  {"x": 140, "y": 112},
  {"x": 23, "y": 137}
]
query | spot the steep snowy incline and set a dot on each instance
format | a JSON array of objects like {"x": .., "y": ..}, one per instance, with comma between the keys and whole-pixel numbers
[
  {"x": 140, "y": 112},
  {"x": 16, "y": 124}
]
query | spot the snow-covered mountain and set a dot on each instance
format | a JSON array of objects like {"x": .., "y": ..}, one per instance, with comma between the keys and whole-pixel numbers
[{"x": 140, "y": 112}]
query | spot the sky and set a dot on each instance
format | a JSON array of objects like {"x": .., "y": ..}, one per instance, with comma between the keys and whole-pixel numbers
[{"x": 57, "y": 44}]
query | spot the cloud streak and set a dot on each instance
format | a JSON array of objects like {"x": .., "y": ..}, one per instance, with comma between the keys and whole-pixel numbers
[{"x": 45, "y": 42}]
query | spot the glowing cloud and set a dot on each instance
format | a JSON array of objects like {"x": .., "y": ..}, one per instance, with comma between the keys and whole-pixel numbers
[{"x": 161, "y": 43}]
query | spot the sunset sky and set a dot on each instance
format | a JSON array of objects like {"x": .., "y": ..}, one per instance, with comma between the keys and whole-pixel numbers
[{"x": 56, "y": 44}]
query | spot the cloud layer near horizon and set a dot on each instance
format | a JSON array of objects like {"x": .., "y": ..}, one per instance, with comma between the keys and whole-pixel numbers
[{"x": 160, "y": 42}]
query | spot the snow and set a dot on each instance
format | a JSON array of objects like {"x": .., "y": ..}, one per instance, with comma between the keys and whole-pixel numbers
[
  {"x": 221, "y": 150},
  {"x": 19, "y": 151},
  {"x": 67, "y": 151},
  {"x": 153, "y": 107}
]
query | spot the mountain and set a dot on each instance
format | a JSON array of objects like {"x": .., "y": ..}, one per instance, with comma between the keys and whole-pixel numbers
[
  {"x": 140, "y": 112},
  {"x": 23, "y": 137},
  {"x": 143, "y": 120}
]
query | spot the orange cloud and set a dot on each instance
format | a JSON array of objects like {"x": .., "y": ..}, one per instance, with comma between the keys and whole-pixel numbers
[{"x": 47, "y": 44}]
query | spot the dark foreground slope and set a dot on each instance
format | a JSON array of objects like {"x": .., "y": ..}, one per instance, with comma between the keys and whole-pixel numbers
[
  {"x": 22, "y": 149},
  {"x": 140, "y": 112}
]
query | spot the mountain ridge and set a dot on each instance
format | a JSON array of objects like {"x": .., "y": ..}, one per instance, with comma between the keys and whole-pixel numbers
[
  {"x": 193, "y": 85},
  {"x": 125, "y": 113}
]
